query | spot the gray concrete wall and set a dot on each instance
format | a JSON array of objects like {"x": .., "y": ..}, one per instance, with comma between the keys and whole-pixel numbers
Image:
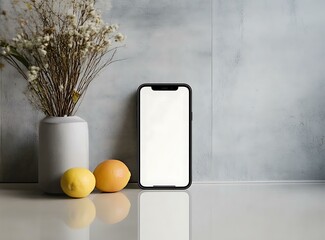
[{"x": 257, "y": 73}]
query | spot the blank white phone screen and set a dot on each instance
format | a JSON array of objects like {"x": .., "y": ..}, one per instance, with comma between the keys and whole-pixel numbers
[{"x": 164, "y": 137}]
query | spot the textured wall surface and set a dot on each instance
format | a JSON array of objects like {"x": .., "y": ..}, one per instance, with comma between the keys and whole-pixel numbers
[
  {"x": 258, "y": 78},
  {"x": 268, "y": 90}
]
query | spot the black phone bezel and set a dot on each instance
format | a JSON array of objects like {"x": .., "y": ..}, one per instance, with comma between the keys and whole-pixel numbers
[{"x": 163, "y": 87}]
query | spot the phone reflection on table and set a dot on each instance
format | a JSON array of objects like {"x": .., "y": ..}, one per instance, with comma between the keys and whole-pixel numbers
[{"x": 164, "y": 215}]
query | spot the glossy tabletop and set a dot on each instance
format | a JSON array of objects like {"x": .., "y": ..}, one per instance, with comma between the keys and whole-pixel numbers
[{"x": 205, "y": 211}]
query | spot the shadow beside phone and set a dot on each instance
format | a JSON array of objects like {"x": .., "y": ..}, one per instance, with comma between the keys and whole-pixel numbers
[{"x": 125, "y": 148}]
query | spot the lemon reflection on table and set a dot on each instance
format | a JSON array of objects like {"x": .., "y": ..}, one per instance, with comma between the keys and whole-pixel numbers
[
  {"x": 70, "y": 218},
  {"x": 79, "y": 213},
  {"x": 112, "y": 208}
]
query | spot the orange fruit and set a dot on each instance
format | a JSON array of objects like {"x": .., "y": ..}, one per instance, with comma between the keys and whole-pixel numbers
[
  {"x": 112, "y": 207},
  {"x": 111, "y": 175}
]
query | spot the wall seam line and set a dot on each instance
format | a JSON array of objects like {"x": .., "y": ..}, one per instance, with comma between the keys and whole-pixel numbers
[
  {"x": 1, "y": 87},
  {"x": 212, "y": 99}
]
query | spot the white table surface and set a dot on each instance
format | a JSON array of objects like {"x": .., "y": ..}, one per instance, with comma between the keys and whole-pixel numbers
[{"x": 205, "y": 211}]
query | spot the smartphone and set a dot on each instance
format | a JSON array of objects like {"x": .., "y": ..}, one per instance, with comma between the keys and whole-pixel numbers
[{"x": 164, "y": 135}]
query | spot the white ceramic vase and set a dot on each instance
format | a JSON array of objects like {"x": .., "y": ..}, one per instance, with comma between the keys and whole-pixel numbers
[{"x": 63, "y": 144}]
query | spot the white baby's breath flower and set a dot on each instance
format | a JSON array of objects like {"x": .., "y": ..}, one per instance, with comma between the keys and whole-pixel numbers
[
  {"x": 86, "y": 36},
  {"x": 3, "y": 52},
  {"x": 115, "y": 27},
  {"x": 33, "y": 73},
  {"x": 42, "y": 52},
  {"x": 17, "y": 38},
  {"x": 31, "y": 77},
  {"x": 112, "y": 28},
  {"x": 72, "y": 20},
  {"x": 119, "y": 37},
  {"x": 98, "y": 20},
  {"x": 87, "y": 45},
  {"x": 34, "y": 68},
  {"x": 46, "y": 38},
  {"x": 61, "y": 88}
]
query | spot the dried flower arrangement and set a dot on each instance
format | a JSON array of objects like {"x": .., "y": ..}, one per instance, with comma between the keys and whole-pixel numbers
[{"x": 59, "y": 47}]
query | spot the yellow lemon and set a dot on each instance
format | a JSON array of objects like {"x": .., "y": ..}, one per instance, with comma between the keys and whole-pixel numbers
[
  {"x": 111, "y": 175},
  {"x": 78, "y": 182}
]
